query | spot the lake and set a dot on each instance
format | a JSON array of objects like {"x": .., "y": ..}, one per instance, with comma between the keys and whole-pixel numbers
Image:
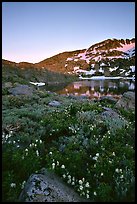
[{"x": 94, "y": 89}]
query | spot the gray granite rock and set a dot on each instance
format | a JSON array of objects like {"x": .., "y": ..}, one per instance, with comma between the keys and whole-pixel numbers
[
  {"x": 127, "y": 101},
  {"x": 54, "y": 103},
  {"x": 47, "y": 187},
  {"x": 21, "y": 90}
]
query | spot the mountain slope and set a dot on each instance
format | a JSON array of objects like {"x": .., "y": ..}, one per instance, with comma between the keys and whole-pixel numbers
[
  {"x": 99, "y": 58},
  {"x": 111, "y": 57}
]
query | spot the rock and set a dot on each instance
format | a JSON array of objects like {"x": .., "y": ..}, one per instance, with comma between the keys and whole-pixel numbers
[
  {"x": 8, "y": 85},
  {"x": 47, "y": 187},
  {"x": 54, "y": 103},
  {"x": 109, "y": 99},
  {"x": 113, "y": 119},
  {"x": 127, "y": 101},
  {"x": 21, "y": 90}
]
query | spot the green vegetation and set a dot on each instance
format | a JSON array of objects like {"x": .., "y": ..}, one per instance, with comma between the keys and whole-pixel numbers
[{"x": 72, "y": 140}]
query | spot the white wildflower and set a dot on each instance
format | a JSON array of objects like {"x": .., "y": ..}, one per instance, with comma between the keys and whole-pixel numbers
[
  {"x": 121, "y": 176},
  {"x": 97, "y": 154},
  {"x": 37, "y": 152},
  {"x": 102, "y": 174},
  {"x": 73, "y": 183},
  {"x": 80, "y": 182},
  {"x": 53, "y": 165},
  {"x": 113, "y": 154},
  {"x": 57, "y": 163},
  {"x": 95, "y": 193},
  {"x": 23, "y": 184},
  {"x": 13, "y": 185},
  {"x": 87, "y": 191},
  {"x": 64, "y": 176},
  {"x": 40, "y": 141},
  {"x": 87, "y": 195},
  {"x": 69, "y": 177},
  {"x": 81, "y": 188},
  {"x": 63, "y": 166},
  {"x": 26, "y": 150},
  {"x": 69, "y": 181},
  {"x": 117, "y": 170},
  {"x": 50, "y": 153},
  {"x": 87, "y": 185}
]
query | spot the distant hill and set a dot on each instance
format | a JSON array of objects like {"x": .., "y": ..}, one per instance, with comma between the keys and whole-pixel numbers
[{"x": 111, "y": 57}]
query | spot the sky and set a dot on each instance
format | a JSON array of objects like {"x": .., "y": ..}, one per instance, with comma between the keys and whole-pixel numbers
[{"x": 34, "y": 31}]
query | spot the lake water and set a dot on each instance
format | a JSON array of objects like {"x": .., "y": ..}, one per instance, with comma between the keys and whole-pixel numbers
[{"x": 94, "y": 89}]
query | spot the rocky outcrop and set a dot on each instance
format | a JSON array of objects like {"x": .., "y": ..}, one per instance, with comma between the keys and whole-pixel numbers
[
  {"x": 54, "y": 103},
  {"x": 47, "y": 187},
  {"x": 113, "y": 119},
  {"x": 21, "y": 90},
  {"x": 127, "y": 101}
]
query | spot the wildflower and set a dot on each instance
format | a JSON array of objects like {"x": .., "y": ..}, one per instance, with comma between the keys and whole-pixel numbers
[
  {"x": 87, "y": 191},
  {"x": 73, "y": 179},
  {"x": 94, "y": 165},
  {"x": 64, "y": 176},
  {"x": 69, "y": 181},
  {"x": 69, "y": 176},
  {"x": 81, "y": 188},
  {"x": 36, "y": 140},
  {"x": 23, "y": 184},
  {"x": 95, "y": 158},
  {"x": 110, "y": 162},
  {"x": 87, "y": 195},
  {"x": 63, "y": 166},
  {"x": 80, "y": 182},
  {"x": 13, "y": 185},
  {"x": 26, "y": 150},
  {"x": 117, "y": 170},
  {"x": 120, "y": 170},
  {"x": 121, "y": 176},
  {"x": 95, "y": 193},
  {"x": 53, "y": 165},
  {"x": 57, "y": 163},
  {"x": 97, "y": 154},
  {"x": 102, "y": 174},
  {"x": 37, "y": 152},
  {"x": 40, "y": 141},
  {"x": 73, "y": 183},
  {"x": 22, "y": 157},
  {"x": 87, "y": 184},
  {"x": 113, "y": 154},
  {"x": 83, "y": 179},
  {"x": 50, "y": 153}
]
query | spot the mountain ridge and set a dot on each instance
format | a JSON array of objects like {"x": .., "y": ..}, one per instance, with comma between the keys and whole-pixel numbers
[{"x": 110, "y": 53}]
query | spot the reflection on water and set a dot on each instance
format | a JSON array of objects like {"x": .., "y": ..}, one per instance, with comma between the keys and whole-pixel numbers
[{"x": 97, "y": 88}]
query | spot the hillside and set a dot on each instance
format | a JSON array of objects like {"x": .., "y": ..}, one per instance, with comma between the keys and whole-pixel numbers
[
  {"x": 118, "y": 55},
  {"x": 110, "y": 57}
]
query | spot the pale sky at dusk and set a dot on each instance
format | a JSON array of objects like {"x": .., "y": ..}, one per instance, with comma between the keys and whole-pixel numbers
[{"x": 34, "y": 31}]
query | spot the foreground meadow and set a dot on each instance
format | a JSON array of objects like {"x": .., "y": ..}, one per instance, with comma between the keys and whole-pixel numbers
[{"x": 96, "y": 157}]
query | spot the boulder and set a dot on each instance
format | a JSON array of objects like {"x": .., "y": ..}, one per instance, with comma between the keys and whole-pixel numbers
[
  {"x": 113, "y": 120},
  {"x": 127, "y": 101},
  {"x": 47, "y": 187},
  {"x": 109, "y": 99},
  {"x": 54, "y": 103},
  {"x": 21, "y": 90}
]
